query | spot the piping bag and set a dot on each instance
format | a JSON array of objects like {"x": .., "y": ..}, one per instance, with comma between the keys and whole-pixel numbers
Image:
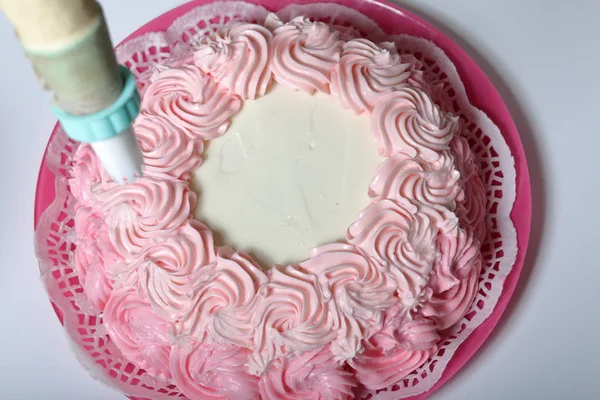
[{"x": 95, "y": 99}]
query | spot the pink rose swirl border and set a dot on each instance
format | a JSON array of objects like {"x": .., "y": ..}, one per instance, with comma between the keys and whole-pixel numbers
[{"x": 480, "y": 92}]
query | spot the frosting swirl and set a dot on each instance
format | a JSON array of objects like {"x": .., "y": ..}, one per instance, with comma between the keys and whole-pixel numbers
[
  {"x": 408, "y": 120},
  {"x": 291, "y": 315},
  {"x": 179, "y": 56},
  {"x": 416, "y": 77},
  {"x": 166, "y": 149},
  {"x": 463, "y": 156},
  {"x": 304, "y": 54},
  {"x": 402, "y": 177},
  {"x": 94, "y": 257},
  {"x": 183, "y": 251},
  {"x": 92, "y": 273},
  {"x": 93, "y": 228},
  {"x": 459, "y": 253},
  {"x": 378, "y": 369},
  {"x": 365, "y": 72},
  {"x": 191, "y": 100},
  {"x": 454, "y": 279},
  {"x": 344, "y": 33},
  {"x": 141, "y": 335},
  {"x": 402, "y": 330},
  {"x": 212, "y": 371},
  {"x": 473, "y": 209},
  {"x": 136, "y": 214},
  {"x": 312, "y": 375},
  {"x": 88, "y": 223},
  {"x": 417, "y": 334},
  {"x": 223, "y": 299},
  {"x": 360, "y": 293},
  {"x": 86, "y": 173},
  {"x": 162, "y": 273},
  {"x": 449, "y": 306},
  {"x": 237, "y": 57},
  {"x": 400, "y": 238}
]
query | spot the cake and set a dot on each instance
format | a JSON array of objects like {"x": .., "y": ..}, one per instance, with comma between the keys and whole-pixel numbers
[{"x": 309, "y": 221}]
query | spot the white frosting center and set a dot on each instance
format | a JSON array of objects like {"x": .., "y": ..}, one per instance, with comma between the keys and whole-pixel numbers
[{"x": 291, "y": 173}]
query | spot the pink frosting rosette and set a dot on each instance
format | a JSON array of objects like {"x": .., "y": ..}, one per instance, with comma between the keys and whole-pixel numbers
[
  {"x": 459, "y": 254},
  {"x": 88, "y": 223},
  {"x": 357, "y": 291},
  {"x": 223, "y": 299},
  {"x": 211, "y": 371},
  {"x": 407, "y": 120},
  {"x": 403, "y": 345},
  {"x": 473, "y": 209},
  {"x": 449, "y": 306},
  {"x": 86, "y": 174},
  {"x": 167, "y": 150},
  {"x": 291, "y": 316},
  {"x": 313, "y": 375},
  {"x": 94, "y": 258},
  {"x": 180, "y": 55},
  {"x": 400, "y": 238},
  {"x": 416, "y": 77},
  {"x": 190, "y": 99},
  {"x": 304, "y": 54},
  {"x": 464, "y": 158},
  {"x": 136, "y": 213},
  {"x": 365, "y": 72},
  {"x": 407, "y": 330},
  {"x": 237, "y": 57},
  {"x": 92, "y": 273},
  {"x": 377, "y": 368},
  {"x": 141, "y": 335},
  {"x": 91, "y": 227},
  {"x": 417, "y": 334},
  {"x": 454, "y": 280},
  {"x": 162, "y": 273},
  {"x": 433, "y": 184}
]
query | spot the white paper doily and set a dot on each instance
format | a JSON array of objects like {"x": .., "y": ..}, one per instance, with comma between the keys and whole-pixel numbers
[{"x": 55, "y": 232}]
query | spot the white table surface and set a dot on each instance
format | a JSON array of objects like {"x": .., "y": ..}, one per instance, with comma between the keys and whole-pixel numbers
[{"x": 542, "y": 55}]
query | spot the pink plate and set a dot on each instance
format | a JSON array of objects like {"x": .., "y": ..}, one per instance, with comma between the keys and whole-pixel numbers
[{"x": 481, "y": 93}]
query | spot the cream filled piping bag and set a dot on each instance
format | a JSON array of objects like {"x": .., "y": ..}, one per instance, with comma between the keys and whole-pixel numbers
[{"x": 95, "y": 99}]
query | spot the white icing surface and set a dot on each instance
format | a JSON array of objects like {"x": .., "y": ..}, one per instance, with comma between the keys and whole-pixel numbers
[{"x": 291, "y": 173}]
